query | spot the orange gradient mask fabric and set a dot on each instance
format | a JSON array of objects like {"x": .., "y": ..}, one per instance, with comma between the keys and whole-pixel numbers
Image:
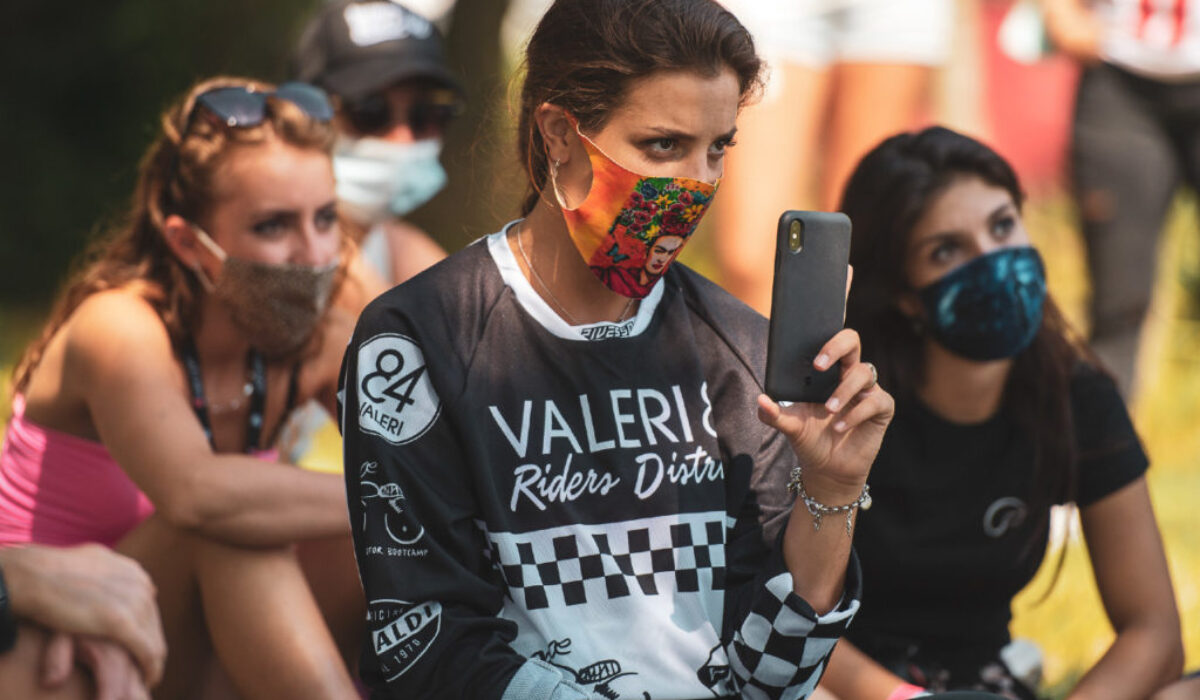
[{"x": 631, "y": 227}]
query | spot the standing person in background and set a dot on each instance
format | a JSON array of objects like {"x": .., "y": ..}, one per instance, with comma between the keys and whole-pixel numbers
[
  {"x": 145, "y": 415},
  {"x": 1136, "y": 138},
  {"x": 844, "y": 74},
  {"x": 558, "y": 484},
  {"x": 394, "y": 95},
  {"x": 1001, "y": 414}
]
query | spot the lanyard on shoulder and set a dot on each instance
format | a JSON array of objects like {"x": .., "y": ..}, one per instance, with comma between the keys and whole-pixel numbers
[{"x": 256, "y": 368}]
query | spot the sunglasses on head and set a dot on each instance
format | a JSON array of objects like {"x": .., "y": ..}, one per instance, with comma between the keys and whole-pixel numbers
[
  {"x": 428, "y": 116},
  {"x": 241, "y": 107}
]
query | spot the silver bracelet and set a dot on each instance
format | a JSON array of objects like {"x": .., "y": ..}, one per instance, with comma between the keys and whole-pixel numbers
[{"x": 819, "y": 510}]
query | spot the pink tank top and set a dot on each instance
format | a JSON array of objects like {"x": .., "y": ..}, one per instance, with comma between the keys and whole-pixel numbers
[{"x": 63, "y": 490}]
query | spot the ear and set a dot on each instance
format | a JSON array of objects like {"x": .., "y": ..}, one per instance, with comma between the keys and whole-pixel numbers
[
  {"x": 910, "y": 306},
  {"x": 181, "y": 238},
  {"x": 558, "y": 132}
]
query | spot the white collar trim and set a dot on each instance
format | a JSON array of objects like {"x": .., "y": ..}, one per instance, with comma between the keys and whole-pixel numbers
[{"x": 536, "y": 306}]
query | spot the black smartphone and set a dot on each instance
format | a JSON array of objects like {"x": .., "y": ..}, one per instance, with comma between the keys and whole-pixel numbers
[{"x": 808, "y": 303}]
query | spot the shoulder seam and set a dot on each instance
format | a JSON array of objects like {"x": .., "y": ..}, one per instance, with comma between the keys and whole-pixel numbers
[
  {"x": 696, "y": 310},
  {"x": 484, "y": 320}
]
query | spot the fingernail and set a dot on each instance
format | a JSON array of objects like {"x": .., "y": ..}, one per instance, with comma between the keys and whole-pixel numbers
[
  {"x": 832, "y": 404},
  {"x": 822, "y": 360},
  {"x": 840, "y": 426}
]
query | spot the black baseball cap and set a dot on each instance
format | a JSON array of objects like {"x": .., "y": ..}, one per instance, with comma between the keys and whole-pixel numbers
[{"x": 354, "y": 48}]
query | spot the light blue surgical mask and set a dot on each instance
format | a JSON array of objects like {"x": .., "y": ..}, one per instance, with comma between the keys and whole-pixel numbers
[{"x": 378, "y": 178}]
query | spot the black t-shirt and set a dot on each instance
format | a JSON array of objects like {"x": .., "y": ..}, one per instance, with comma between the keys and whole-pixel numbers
[{"x": 949, "y": 540}]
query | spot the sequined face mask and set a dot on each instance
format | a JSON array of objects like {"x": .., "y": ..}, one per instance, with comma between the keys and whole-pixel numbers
[
  {"x": 631, "y": 227},
  {"x": 989, "y": 308},
  {"x": 276, "y": 306}
]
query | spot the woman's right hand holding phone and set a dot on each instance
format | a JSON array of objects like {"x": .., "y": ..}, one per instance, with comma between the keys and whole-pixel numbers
[
  {"x": 836, "y": 442},
  {"x": 835, "y": 445}
]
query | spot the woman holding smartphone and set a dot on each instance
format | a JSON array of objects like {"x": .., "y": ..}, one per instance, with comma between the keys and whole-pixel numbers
[
  {"x": 145, "y": 414},
  {"x": 563, "y": 478},
  {"x": 1001, "y": 413}
]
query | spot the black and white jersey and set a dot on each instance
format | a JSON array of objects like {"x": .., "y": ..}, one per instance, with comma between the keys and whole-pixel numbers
[{"x": 551, "y": 511}]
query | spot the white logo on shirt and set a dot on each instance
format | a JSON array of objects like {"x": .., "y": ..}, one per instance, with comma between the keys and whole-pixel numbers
[
  {"x": 401, "y": 632},
  {"x": 396, "y": 400},
  {"x": 1003, "y": 515},
  {"x": 604, "y": 331},
  {"x": 398, "y": 521}
]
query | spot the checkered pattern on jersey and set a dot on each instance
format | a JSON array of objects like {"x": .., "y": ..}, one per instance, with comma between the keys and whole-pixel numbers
[
  {"x": 781, "y": 648},
  {"x": 586, "y": 563}
]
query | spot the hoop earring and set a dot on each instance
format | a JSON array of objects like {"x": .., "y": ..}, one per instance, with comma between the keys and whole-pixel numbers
[
  {"x": 205, "y": 282},
  {"x": 558, "y": 196}
]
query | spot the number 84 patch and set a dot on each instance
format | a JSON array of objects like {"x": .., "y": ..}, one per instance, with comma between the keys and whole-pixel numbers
[{"x": 396, "y": 400}]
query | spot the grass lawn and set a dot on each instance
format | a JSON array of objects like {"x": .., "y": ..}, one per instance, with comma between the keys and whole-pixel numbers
[{"x": 1069, "y": 624}]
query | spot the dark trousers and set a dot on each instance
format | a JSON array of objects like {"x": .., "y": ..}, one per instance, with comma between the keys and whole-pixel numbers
[{"x": 1135, "y": 141}]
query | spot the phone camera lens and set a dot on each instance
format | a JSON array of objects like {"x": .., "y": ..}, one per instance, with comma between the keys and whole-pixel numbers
[{"x": 795, "y": 236}]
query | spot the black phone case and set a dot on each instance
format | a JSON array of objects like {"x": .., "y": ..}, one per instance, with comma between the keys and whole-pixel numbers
[{"x": 808, "y": 301}]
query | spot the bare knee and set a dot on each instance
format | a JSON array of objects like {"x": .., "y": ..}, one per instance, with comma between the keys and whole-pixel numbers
[{"x": 1180, "y": 690}]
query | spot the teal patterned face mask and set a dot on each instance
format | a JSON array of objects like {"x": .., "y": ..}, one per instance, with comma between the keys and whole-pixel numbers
[{"x": 991, "y": 307}]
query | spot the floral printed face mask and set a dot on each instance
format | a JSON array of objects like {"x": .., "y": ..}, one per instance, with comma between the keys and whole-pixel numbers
[{"x": 631, "y": 227}]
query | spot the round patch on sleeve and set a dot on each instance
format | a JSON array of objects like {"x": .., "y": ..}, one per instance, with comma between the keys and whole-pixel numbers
[{"x": 396, "y": 400}]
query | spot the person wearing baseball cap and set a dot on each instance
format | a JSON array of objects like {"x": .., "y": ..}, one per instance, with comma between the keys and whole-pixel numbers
[{"x": 385, "y": 66}]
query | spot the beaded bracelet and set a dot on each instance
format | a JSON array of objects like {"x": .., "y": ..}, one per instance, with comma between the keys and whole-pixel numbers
[{"x": 818, "y": 509}]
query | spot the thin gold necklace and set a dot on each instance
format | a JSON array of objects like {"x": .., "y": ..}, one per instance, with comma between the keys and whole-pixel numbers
[{"x": 570, "y": 318}]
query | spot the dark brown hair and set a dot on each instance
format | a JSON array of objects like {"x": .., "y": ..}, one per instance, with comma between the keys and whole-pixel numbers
[
  {"x": 175, "y": 177},
  {"x": 585, "y": 53},
  {"x": 886, "y": 195}
]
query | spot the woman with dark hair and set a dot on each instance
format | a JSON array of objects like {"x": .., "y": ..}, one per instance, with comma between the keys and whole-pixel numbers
[
  {"x": 557, "y": 482},
  {"x": 145, "y": 415},
  {"x": 1001, "y": 413}
]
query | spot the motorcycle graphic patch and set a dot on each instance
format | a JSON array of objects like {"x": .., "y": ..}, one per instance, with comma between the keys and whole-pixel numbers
[{"x": 386, "y": 501}]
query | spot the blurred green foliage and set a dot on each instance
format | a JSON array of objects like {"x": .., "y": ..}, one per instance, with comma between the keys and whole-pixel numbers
[
  {"x": 84, "y": 83},
  {"x": 83, "y": 86}
]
